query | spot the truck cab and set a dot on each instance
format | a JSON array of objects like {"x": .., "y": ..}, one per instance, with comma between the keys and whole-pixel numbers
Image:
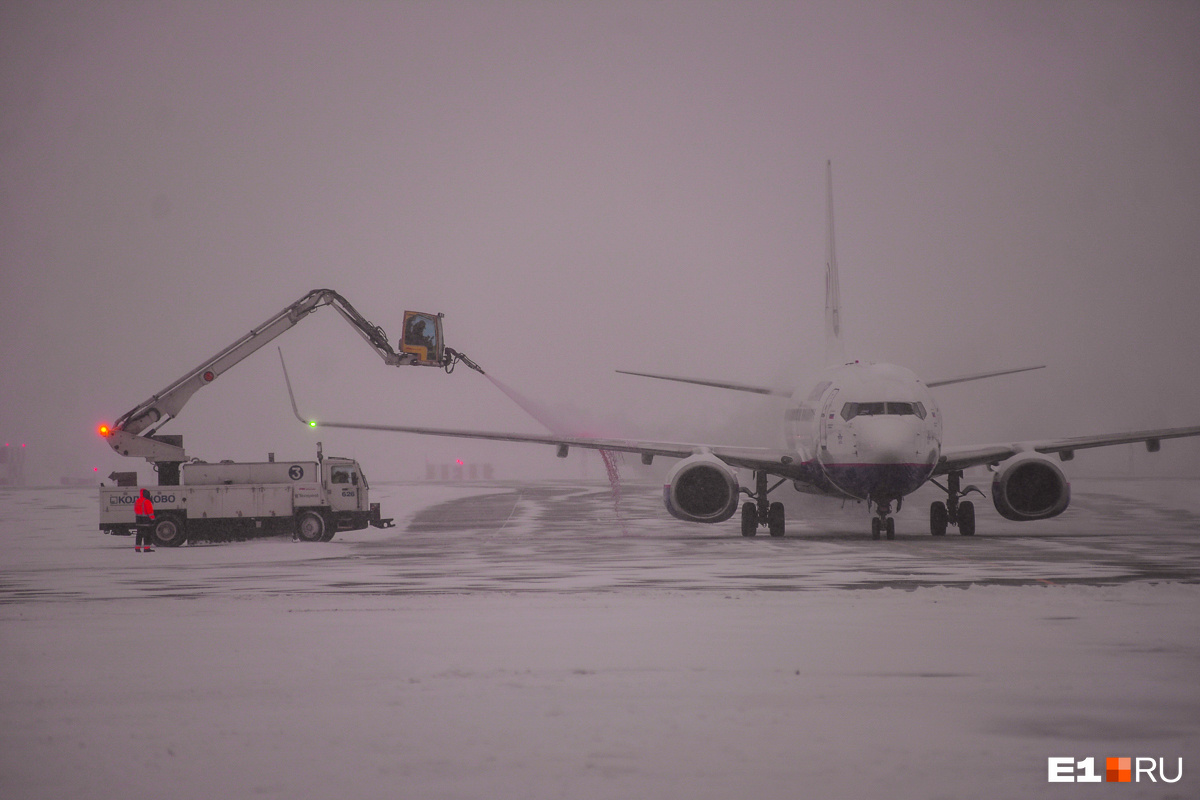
[{"x": 347, "y": 490}]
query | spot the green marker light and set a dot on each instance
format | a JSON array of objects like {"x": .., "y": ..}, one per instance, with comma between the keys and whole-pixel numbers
[{"x": 312, "y": 423}]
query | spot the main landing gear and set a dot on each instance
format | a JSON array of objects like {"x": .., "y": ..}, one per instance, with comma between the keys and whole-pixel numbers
[
  {"x": 953, "y": 512},
  {"x": 762, "y": 512}
]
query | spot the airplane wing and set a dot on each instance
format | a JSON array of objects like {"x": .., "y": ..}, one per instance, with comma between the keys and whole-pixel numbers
[
  {"x": 780, "y": 462},
  {"x": 737, "y": 387},
  {"x": 745, "y": 387},
  {"x": 775, "y": 461},
  {"x": 956, "y": 458},
  {"x": 979, "y": 376}
]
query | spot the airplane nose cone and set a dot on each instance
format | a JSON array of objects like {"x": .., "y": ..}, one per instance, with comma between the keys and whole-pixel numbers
[{"x": 889, "y": 441}]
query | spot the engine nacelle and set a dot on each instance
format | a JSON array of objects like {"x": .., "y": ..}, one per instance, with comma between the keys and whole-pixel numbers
[
  {"x": 1032, "y": 488},
  {"x": 701, "y": 488}
]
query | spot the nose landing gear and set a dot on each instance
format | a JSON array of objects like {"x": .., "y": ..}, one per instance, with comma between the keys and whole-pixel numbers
[
  {"x": 883, "y": 522},
  {"x": 762, "y": 512},
  {"x": 953, "y": 511}
]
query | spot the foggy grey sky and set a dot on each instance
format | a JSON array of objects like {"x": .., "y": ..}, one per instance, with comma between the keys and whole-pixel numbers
[{"x": 589, "y": 186}]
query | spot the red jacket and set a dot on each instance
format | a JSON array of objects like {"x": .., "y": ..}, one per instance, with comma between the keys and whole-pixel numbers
[{"x": 142, "y": 507}]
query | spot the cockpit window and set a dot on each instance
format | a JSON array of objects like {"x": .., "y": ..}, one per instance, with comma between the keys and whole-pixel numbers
[{"x": 852, "y": 410}]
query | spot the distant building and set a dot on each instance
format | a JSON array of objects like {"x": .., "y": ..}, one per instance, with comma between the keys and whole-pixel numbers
[
  {"x": 12, "y": 465},
  {"x": 458, "y": 471}
]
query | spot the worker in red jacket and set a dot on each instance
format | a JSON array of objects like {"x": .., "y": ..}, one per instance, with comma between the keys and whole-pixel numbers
[{"x": 143, "y": 512}]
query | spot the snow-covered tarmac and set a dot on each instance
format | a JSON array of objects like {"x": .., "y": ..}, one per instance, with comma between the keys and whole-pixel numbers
[{"x": 521, "y": 641}]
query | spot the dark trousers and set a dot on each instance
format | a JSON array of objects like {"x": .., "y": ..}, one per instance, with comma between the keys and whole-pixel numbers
[{"x": 145, "y": 525}]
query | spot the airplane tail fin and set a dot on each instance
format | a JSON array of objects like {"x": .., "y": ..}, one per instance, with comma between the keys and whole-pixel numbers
[{"x": 835, "y": 352}]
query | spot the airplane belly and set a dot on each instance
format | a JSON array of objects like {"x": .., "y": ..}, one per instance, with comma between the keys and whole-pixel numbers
[{"x": 864, "y": 480}]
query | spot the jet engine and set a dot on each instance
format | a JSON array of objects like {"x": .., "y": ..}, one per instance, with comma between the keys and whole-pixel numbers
[
  {"x": 701, "y": 488},
  {"x": 1032, "y": 488}
]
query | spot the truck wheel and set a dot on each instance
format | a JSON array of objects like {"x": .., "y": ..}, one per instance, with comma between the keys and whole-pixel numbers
[
  {"x": 330, "y": 530},
  {"x": 310, "y": 526},
  {"x": 169, "y": 532}
]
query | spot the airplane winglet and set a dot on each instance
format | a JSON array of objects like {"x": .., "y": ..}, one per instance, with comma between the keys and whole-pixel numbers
[{"x": 309, "y": 422}]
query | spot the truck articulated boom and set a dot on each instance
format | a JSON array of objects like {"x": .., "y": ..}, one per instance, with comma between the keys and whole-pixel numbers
[{"x": 133, "y": 434}]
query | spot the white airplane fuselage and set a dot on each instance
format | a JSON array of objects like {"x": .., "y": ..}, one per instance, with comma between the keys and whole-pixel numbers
[{"x": 872, "y": 430}]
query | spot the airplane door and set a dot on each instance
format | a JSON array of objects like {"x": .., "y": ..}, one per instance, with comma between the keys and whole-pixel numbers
[{"x": 825, "y": 422}]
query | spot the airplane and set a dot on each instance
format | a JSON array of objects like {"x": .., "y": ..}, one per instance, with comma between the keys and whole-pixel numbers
[{"x": 865, "y": 431}]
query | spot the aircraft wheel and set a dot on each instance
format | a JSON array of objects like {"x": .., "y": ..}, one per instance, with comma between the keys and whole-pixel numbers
[
  {"x": 310, "y": 526},
  {"x": 890, "y": 528},
  {"x": 875, "y": 526},
  {"x": 749, "y": 519},
  {"x": 938, "y": 519},
  {"x": 966, "y": 518},
  {"x": 775, "y": 519}
]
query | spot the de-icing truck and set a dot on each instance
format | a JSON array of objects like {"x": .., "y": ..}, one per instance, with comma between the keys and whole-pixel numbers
[{"x": 312, "y": 499}]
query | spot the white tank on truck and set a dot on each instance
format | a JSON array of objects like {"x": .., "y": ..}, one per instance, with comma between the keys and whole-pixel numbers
[{"x": 311, "y": 499}]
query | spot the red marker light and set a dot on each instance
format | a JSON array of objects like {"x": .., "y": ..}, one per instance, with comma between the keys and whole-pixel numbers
[
  {"x": 209, "y": 376},
  {"x": 103, "y": 430}
]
